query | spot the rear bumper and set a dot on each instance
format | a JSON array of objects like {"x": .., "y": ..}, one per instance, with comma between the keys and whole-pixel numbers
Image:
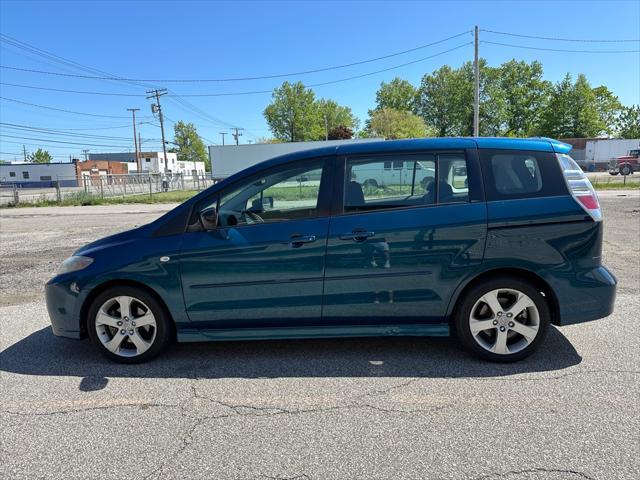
[
  {"x": 587, "y": 295},
  {"x": 62, "y": 305}
]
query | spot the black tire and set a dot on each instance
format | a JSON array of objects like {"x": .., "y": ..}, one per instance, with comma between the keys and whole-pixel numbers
[
  {"x": 626, "y": 170},
  {"x": 163, "y": 323},
  {"x": 613, "y": 173},
  {"x": 463, "y": 312}
]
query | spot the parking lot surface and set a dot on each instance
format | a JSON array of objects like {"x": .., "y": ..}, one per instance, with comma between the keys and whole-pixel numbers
[{"x": 388, "y": 408}]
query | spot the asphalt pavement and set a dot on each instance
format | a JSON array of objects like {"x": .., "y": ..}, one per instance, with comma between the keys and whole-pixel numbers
[{"x": 388, "y": 408}]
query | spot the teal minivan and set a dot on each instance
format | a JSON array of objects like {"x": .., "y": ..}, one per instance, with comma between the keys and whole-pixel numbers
[{"x": 491, "y": 238}]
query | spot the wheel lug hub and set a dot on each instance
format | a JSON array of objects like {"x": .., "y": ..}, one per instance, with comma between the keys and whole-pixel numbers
[
  {"x": 502, "y": 329},
  {"x": 119, "y": 324},
  {"x": 122, "y": 331},
  {"x": 509, "y": 315},
  {"x": 133, "y": 324},
  {"x": 131, "y": 332},
  {"x": 511, "y": 324},
  {"x": 499, "y": 314},
  {"x": 495, "y": 322}
]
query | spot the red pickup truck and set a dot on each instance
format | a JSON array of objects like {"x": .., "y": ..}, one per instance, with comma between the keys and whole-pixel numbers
[{"x": 626, "y": 164}]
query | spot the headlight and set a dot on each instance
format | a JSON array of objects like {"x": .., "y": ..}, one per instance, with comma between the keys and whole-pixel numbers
[{"x": 74, "y": 263}]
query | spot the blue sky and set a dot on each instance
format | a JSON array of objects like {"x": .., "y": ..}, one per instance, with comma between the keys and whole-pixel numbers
[{"x": 205, "y": 40}]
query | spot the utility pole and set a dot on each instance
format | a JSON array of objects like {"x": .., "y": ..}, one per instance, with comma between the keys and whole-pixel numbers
[
  {"x": 237, "y": 135},
  {"x": 476, "y": 90},
  {"x": 140, "y": 148},
  {"x": 24, "y": 151},
  {"x": 223, "y": 134},
  {"x": 326, "y": 128},
  {"x": 156, "y": 108},
  {"x": 86, "y": 154},
  {"x": 135, "y": 139}
]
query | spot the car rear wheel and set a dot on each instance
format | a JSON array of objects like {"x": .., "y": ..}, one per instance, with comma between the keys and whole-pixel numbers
[
  {"x": 128, "y": 325},
  {"x": 503, "y": 320},
  {"x": 626, "y": 170}
]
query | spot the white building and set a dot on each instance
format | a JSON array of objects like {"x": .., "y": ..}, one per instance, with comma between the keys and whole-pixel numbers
[
  {"x": 229, "y": 159},
  {"x": 34, "y": 175},
  {"x": 154, "y": 162}
]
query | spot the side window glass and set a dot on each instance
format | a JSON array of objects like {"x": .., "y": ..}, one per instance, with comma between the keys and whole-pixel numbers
[
  {"x": 453, "y": 184},
  {"x": 286, "y": 194},
  {"x": 380, "y": 183},
  {"x": 516, "y": 174}
]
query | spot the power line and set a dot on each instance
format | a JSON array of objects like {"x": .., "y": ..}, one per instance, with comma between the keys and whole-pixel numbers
[
  {"x": 61, "y": 141},
  {"x": 33, "y": 87},
  {"x": 255, "y": 92},
  {"x": 60, "y": 109},
  {"x": 560, "y": 39},
  {"x": 81, "y": 129},
  {"x": 15, "y": 126},
  {"x": 58, "y": 59},
  {"x": 238, "y": 79},
  {"x": 18, "y": 154},
  {"x": 558, "y": 49},
  {"x": 25, "y": 46}
]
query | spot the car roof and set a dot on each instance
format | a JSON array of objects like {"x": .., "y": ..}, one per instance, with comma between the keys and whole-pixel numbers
[
  {"x": 408, "y": 146},
  {"x": 392, "y": 146}
]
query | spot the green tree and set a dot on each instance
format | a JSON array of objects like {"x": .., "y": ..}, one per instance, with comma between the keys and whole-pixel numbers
[
  {"x": 398, "y": 94},
  {"x": 575, "y": 110},
  {"x": 340, "y": 133},
  {"x": 395, "y": 124},
  {"x": 336, "y": 116},
  {"x": 40, "y": 156},
  {"x": 523, "y": 94},
  {"x": 293, "y": 114},
  {"x": 608, "y": 106},
  {"x": 445, "y": 101},
  {"x": 628, "y": 122},
  {"x": 189, "y": 145}
]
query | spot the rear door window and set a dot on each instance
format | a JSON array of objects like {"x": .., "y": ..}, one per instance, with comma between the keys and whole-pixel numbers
[
  {"x": 516, "y": 173},
  {"x": 510, "y": 174},
  {"x": 414, "y": 180}
]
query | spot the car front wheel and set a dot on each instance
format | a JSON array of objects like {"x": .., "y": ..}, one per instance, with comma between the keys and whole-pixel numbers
[
  {"x": 128, "y": 325},
  {"x": 503, "y": 320}
]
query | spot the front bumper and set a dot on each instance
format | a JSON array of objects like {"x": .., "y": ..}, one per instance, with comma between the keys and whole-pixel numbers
[
  {"x": 587, "y": 295},
  {"x": 63, "y": 306}
]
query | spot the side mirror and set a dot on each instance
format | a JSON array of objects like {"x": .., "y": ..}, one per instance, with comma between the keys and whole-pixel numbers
[
  {"x": 260, "y": 205},
  {"x": 209, "y": 218}
]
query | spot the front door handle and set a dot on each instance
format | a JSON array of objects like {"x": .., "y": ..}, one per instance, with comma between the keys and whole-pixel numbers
[
  {"x": 299, "y": 240},
  {"x": 357, "y": 236}
]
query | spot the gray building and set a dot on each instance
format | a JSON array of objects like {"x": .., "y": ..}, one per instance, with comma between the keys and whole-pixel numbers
[
  {"x": 39, "y": 175},
  {"x": 229, "y": 159}
]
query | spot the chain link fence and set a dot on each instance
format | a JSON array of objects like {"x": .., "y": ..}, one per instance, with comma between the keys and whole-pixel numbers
[{"x": 90, "y": 187}]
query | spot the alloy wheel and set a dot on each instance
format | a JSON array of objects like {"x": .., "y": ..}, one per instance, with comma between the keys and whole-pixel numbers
[
  {"x": 504, "y": 321},
  {"x": 126, "y": 326}
]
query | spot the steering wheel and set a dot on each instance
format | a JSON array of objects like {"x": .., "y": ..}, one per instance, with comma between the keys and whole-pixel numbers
[{"x": 251, "y": 217}]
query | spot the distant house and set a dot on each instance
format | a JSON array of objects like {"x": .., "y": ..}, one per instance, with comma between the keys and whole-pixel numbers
[{"x": 153, "y": 162}]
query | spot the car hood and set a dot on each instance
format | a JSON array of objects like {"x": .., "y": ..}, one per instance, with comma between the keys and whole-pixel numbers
[{"x": 112, "y": 240}]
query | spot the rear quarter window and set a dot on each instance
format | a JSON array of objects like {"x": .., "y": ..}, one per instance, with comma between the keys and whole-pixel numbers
[{"x": 521, "y": 174}]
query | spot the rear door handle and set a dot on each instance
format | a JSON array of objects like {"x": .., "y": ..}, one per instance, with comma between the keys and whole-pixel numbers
[
  {"x": 299, "y": 240},
  {"x": 357, "y": 236}
]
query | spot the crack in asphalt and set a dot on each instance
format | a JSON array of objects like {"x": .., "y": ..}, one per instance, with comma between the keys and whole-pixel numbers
[
  {"x": 302, "y": 476},
  {"x": 250, "y": 410},
  {"x": 511, "y": 473},
  {"x": 142, "y": 406}
]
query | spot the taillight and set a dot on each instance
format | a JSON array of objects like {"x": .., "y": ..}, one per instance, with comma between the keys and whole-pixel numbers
[{"x": 580, "y": 186}]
